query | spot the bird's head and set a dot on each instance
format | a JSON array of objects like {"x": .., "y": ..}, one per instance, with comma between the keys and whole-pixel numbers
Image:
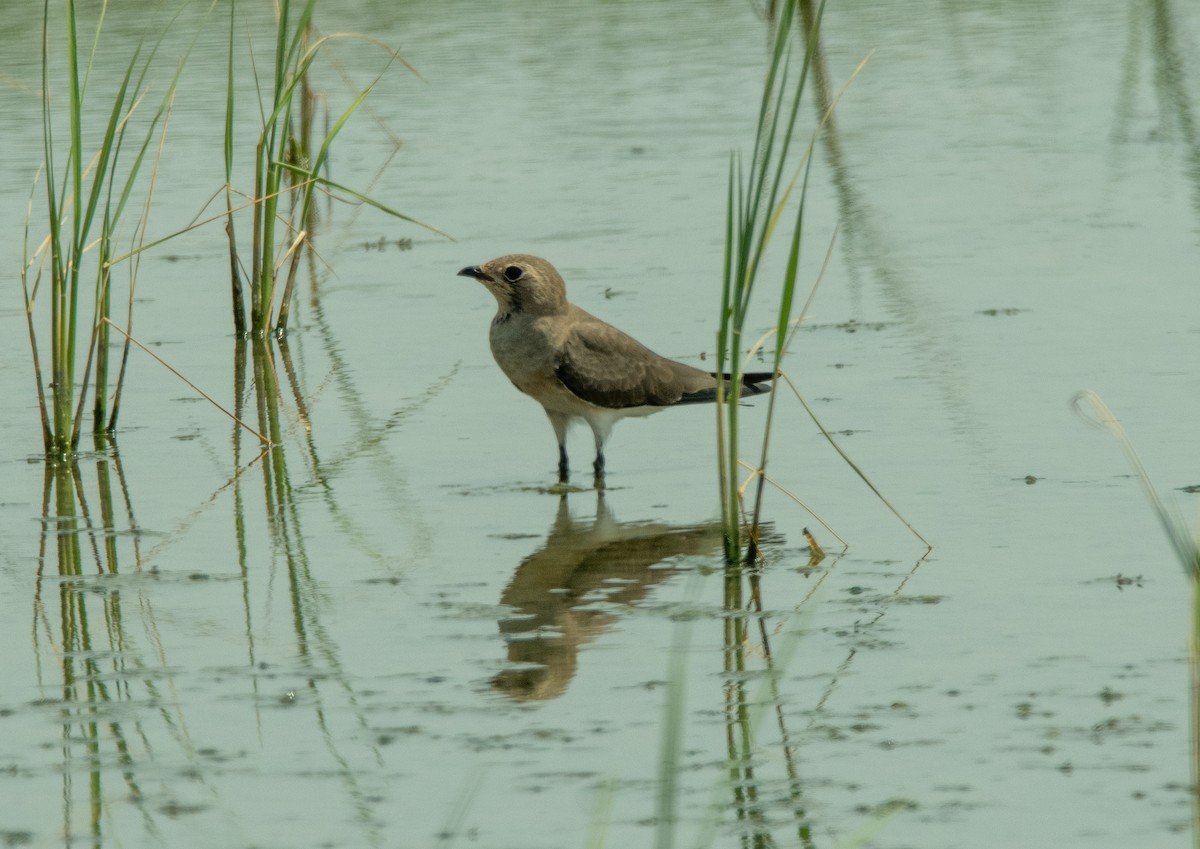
[{"x": 521, "y": 284}]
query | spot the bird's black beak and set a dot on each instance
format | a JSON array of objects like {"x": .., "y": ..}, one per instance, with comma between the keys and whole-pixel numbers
[{"x": 472, "y": 271}]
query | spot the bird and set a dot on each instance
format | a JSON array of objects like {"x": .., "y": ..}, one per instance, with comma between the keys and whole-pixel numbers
[{"x": 579, "y": 367}]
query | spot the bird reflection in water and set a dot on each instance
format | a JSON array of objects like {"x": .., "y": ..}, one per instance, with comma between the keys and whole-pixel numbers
[{"x": 570, "y": 591}]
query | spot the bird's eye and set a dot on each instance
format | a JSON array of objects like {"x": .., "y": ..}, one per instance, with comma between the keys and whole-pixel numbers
[{"x": 513, "y": 273}]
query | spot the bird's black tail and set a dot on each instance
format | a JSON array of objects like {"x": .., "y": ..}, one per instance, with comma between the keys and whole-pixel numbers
[{"x": 753, "y": 383}]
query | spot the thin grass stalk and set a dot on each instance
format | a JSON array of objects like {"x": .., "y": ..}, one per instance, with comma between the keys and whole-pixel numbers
[
  {"x": 76, "y": 427},
  {"x": 276, "y": 187},
  {"x": 283, "y": 9},
  {"x": 58, "y": 376},
  {"x": 64, "y": 393},
  {"x": 62, "y": 383},
  {"x": 235, "y": 279},
  {"x": 112, "y": 214},
  {"x": 192, "y": 385},
  {"x": 47, "y": 436},
  {"x": 265, "y": 239},
  {"x": 782, "y": 337},
  {"x": 111, "y": 425},
  {"x": 739, "y": 282},
  {"x": 1185, "y": 544},
  {"x": 100, "y": 335},
  {"x": 75, "y": 155},
  {"x": 195, "y": 225},
  {"x": 285, "y": 303},
  {"x": 330, "y": 185},
  {"x": 727, "y": 346},
  {"x": 256, "y": 235},
  {"x": 135, "y": 255},
  {"x": 103, "y": 309},
  {"x": 724, "y": 458},
  {"x": 308, "y": 105}
]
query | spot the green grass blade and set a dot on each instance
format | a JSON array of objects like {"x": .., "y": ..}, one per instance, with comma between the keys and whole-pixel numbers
[
  {"x": 299, "y": 31},
  {"x": 361, "y": 198},
  {"x": 1183, "y": 543},
  {"x": 229, "y": 99},
  {"x": 110, "y": 146},
  {"x": 30, "y": 294},
  {"x": 283, "y": 10},
  {"x": 724, "y": 470}
]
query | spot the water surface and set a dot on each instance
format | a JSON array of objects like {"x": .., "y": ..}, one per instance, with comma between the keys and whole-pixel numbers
[{"x": 341, "y": 646}]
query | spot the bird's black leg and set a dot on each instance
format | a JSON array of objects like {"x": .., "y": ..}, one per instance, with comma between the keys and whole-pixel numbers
[
  {"x": 559, "y": 422},
  {"x": 564, "y": 466},
  {"x": 600, "y": 429}
]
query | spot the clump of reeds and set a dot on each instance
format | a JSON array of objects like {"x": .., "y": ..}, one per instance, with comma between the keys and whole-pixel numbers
[
  {"x": 88, "y": 194},
  {"x": 289, "y": 166},
  {"x": 758, "y": 198}
]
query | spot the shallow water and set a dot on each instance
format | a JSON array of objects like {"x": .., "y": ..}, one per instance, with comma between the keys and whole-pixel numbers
[{"x": 336, "y": 645}]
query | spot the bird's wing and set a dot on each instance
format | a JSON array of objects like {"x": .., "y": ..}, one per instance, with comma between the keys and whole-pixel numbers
[{"x": 605, "y": 367}]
